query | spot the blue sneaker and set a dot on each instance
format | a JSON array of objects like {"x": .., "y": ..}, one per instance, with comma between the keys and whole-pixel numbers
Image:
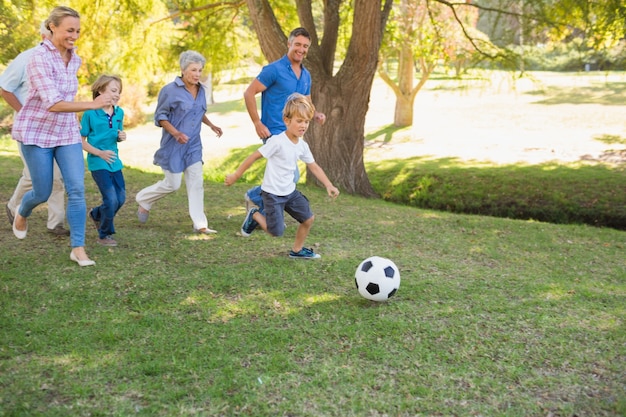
[
  {"x": 305, "y": 253},
  {"x": 249, "y": 224}
]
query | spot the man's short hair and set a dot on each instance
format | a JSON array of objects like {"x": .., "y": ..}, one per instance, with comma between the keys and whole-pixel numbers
[{"x": 299, "y": 32}]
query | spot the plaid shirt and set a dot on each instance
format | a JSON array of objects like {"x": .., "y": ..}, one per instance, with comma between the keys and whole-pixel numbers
[{"x": 51, "y": 81}]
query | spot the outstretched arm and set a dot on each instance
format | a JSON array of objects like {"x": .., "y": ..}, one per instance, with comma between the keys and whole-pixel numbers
[
  {"x": 321, "y": 176},
  {"x": 247, "y": 163}
]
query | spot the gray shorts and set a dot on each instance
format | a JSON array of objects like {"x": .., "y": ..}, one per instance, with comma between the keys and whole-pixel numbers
[{"x": 296, "y": 204}]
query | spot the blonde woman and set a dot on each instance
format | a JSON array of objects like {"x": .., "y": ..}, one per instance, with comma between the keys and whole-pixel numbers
[{"x": 48, "y": 131}]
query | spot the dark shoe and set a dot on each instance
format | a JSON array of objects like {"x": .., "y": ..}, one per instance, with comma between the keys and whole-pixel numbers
[
  {"x": 107, "y": 241},
  {"x": 305, "y": 253},
  {"x": 59, "y": 231},
  {"x": 249, "y": 224},
  {"x": 96, "y": 223},
  {"x": 10, "y": 215}
]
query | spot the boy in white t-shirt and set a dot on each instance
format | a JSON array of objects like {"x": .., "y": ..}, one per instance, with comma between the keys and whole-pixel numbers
[{"x": 278, "y": 188}]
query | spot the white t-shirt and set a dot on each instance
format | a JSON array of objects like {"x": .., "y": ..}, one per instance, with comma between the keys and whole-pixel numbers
[{"x": 282, "y": 158}]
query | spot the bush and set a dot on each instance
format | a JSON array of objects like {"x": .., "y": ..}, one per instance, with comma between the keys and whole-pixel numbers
[
  {"x": 133, "y": 101},
  {"x": 573, "y": 56}
]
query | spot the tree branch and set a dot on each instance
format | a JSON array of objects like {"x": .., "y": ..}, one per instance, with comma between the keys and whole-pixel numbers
[{"x": 234, "y": 4}]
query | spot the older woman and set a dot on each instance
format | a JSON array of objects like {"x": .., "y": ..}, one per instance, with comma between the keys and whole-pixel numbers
[
  {"x": 48, "y": 130},
  {"x": 181, "y": 110}
]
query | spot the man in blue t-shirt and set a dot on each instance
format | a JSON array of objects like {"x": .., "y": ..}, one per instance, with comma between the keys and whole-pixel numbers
[{"x": 277, "y": 81}]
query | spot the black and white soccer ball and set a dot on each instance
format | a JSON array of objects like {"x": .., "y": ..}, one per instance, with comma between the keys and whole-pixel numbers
[{"x": 377, "y": 279}]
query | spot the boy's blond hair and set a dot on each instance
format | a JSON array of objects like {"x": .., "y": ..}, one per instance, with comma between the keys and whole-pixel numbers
[
  {"x": 298, "y": 105},
  {"x": 101, "y": 83}
]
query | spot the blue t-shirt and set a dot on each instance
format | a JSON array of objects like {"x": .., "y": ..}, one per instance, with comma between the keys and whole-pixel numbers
[
  {"x": 101, "y": 132},
  {"x": 280, "y": 82},
  {"x": 176, "y": 105}
]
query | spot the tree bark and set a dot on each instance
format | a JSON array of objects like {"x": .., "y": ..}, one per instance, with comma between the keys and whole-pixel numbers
[{"x": 344, "y": 97}]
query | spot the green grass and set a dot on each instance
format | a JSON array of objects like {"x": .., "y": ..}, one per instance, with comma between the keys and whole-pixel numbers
[
  {"x": 494, "y": 316},
  {"x": 581, "y": 192}
]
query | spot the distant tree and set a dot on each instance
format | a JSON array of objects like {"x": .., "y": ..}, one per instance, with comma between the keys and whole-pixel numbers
[
  {"x": 595, "y": 25},
  {"x": 420, "y": 36}
]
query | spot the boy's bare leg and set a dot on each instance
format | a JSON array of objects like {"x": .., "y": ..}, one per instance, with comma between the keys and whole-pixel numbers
[
  {"x": 301, "y": 233},
  {"x": 260, "y": 219}
]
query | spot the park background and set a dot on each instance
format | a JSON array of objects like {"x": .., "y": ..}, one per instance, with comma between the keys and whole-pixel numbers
[{"x": 496, "y": 315}]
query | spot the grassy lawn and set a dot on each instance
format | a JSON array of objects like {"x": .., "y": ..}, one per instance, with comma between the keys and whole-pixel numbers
[{"x": 494, "y": 317}]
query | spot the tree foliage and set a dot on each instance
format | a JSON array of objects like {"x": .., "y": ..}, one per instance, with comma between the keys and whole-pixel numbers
[
  {"x": 124, "y": 38},
  {"x": 117, "y": 37},
  {"x": 217, "y": 29},
  {"x": 19, "y": 26}
]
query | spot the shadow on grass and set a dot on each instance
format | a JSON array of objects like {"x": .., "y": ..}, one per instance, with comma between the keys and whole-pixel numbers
[
  {"x": 386, "y": 133},
  {"x": 558, "y": 193},
  {"x": 578, "y": 193},
  {"x": 609, "y": 94},
  {"x": 611, "y": 139}
]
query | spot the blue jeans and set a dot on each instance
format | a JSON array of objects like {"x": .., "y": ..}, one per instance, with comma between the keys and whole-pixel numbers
[
  {"x": 254, "y": 194},
  {"x": 72, "y": 165},
  {"x": 113, "y": 190}
]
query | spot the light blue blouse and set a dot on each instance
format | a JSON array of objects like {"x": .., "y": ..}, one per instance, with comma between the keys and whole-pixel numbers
[{"x": 176, "y": 105}]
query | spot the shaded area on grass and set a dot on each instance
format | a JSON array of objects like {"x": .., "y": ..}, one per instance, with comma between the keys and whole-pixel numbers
[
  {"x": 609, "y": 94},
  {"x": 557, "y": 193}
]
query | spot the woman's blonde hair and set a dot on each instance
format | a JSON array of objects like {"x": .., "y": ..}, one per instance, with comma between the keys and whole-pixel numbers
[
  {"x": 58, "y": 14},
  {"x": 298, "y": 105}
]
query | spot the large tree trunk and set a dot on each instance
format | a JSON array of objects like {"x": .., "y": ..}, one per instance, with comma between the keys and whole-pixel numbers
[{"x": 344, "y": 96}]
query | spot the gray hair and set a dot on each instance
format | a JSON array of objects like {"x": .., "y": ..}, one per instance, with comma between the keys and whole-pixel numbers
[
  {"x": 191, "y": 57},
  {"x": 44, "y": 31}
]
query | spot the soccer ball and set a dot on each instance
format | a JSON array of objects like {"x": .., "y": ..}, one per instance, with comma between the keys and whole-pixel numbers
[{"x": 377, "y": 278}]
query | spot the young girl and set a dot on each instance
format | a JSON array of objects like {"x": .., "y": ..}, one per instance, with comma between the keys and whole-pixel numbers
[{"x": 102, "y": 129}]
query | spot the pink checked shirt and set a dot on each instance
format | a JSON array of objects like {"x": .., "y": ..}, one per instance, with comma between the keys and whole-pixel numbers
[{"x": 50, "y": 82}]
